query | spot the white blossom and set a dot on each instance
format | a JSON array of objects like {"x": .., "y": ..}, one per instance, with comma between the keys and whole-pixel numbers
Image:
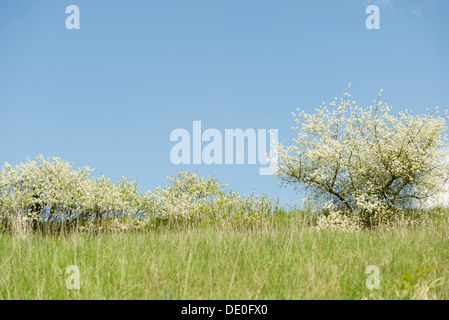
[{"x": 366, "y": 160}]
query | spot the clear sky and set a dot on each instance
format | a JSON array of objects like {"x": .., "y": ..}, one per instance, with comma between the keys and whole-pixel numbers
[{"x": 109, "y": 94}]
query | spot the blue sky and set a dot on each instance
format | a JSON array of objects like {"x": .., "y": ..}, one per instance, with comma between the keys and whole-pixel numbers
[{"x": 109, "y": 94}]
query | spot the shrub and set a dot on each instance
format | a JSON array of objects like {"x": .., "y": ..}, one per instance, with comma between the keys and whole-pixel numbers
[
  {"x": 191, "y": 198},
  {"x": 50, "y": 192},
  {"x": 334, "y": 220}
]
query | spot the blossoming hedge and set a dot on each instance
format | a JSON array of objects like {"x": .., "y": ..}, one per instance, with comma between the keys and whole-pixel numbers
[{"x": 50, "y": 190}]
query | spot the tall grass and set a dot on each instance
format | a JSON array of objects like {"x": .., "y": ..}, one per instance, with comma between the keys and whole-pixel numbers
[{"x": 284, "y": 259}]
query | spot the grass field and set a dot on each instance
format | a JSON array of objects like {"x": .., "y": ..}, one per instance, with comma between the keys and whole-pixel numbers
[{"x": 287, "y": 261}]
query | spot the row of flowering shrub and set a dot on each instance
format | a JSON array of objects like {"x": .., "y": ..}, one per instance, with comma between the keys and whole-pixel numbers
[{"x": 50, "y": 190}]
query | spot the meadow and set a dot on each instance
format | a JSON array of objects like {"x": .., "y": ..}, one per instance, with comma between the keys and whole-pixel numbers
[
  {"x": 65, "y": 234},
  {"x": 286, "y": 258}
]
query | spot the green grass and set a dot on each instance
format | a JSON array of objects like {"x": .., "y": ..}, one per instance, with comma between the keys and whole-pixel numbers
[{"x": 285, "y": 261}]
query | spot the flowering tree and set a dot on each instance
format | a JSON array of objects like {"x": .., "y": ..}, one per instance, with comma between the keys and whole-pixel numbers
[
  {"x": 51, "y": 191},
  {"x": 365, "y": 160}
]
